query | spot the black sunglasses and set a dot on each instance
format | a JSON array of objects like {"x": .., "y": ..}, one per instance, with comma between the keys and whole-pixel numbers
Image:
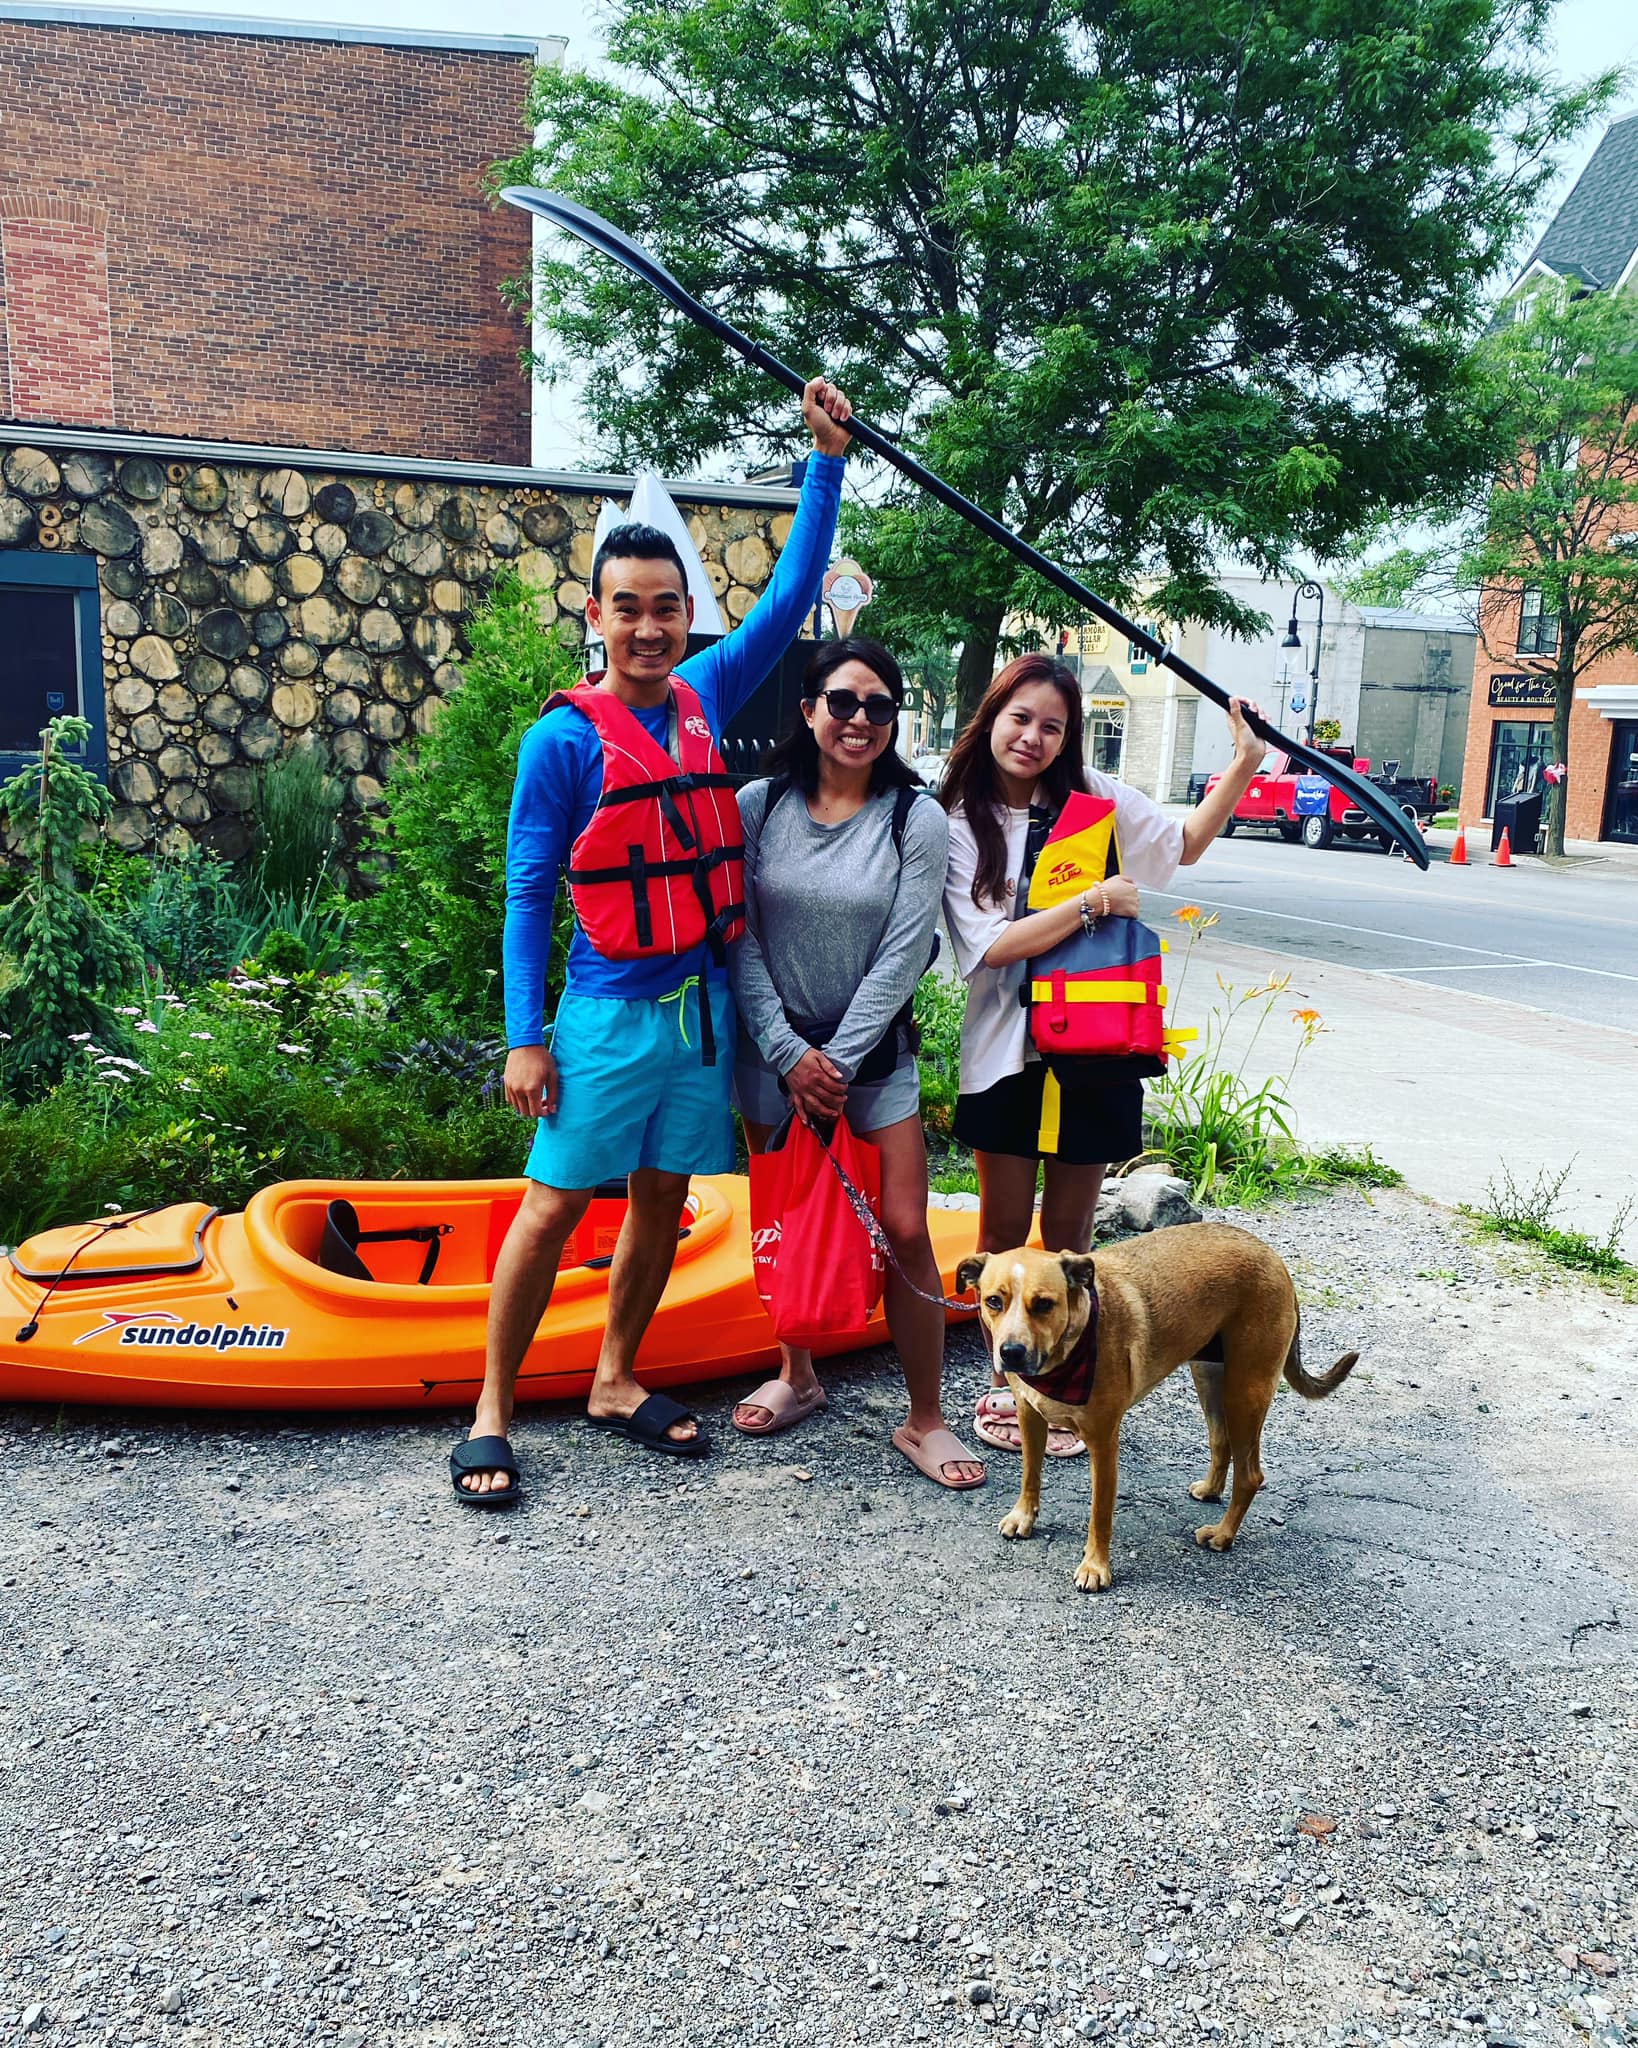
[{"x": 879, "y": 708}]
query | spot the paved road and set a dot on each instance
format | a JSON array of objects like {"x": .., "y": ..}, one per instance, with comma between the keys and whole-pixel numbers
[{"x": 1561, "y": 940}]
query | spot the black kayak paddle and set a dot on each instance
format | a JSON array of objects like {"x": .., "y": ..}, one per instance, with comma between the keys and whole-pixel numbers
[{"x": 591, "y": 228}]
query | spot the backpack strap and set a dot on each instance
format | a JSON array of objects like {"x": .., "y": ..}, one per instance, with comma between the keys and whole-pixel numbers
[{"x": 904, "y": 798}]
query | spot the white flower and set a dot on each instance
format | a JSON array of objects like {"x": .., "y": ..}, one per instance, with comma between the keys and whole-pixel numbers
[
  {"x": 79, "y": 1038},
  {"x": 200, "y": 1034},
  {"x": 148, "y": 1025},
  {"x": 127, "y": 1010},
  {"x": 189, "y": 1087},
  {"x": 299, "y": 1050},
  {"x": 278, "y": 981},
  {"x": 175, "y": 1002},
  {"x": 111, "y": 1208}
]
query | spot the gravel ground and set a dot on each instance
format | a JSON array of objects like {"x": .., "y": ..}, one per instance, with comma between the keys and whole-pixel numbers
[{"x": 792, "y": 1749}]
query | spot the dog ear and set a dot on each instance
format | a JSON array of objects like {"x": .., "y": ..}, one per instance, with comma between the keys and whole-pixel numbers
[
  {"x": 968, "y": 1271},
  {"x": 1079, "y": 1270}
]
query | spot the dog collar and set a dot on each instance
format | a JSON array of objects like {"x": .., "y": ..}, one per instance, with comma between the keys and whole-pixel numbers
[{"x": 1071, "y": 1382}]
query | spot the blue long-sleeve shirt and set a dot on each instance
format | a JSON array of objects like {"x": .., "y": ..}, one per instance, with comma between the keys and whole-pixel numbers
[{"x": 560, "y": 777}]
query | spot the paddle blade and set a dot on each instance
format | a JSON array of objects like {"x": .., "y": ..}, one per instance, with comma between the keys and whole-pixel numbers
[{"x": 592, "y": 228}]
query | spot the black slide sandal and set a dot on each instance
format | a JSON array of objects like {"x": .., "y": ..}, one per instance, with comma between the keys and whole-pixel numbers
[
  {"x": 648, "y": 1424},
  {"x": 484, "y": 1454}
]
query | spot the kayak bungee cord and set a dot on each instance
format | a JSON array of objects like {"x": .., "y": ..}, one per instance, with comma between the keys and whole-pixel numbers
[
  {"x": 32, "y": 1327},
  {"x": 601, "y": 235}
]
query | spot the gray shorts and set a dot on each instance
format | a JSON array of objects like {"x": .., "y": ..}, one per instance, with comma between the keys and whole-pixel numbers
[{"x": 758, "y": 1098}]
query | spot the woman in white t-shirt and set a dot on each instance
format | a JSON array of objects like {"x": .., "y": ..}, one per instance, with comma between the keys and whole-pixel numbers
[{"x": 1024, "y": 747}]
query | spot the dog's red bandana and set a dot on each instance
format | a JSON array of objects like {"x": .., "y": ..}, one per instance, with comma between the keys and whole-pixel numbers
[{"x": 1071, "y": 1382}]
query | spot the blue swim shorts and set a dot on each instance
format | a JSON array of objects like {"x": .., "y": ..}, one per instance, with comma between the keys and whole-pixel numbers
[{"x": 633, "y": 1089}]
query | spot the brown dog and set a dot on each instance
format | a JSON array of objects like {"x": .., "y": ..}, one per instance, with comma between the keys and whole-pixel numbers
[{"x": 1081, "y": 1339}]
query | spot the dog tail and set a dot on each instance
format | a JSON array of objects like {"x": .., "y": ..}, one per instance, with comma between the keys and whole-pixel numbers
[{"x": 1305, "y": 1383}]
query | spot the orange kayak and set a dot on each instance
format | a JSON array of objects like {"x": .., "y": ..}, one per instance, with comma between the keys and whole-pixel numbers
[{"x": 187, "y": 1307}]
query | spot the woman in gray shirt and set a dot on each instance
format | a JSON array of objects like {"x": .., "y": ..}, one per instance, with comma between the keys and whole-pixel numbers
[{"x": 843, "y": 880}]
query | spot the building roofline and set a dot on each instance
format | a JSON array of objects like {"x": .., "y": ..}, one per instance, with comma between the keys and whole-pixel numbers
[
  {"x": 65, "y": 13},
  {"x": 177, "y": 447}
]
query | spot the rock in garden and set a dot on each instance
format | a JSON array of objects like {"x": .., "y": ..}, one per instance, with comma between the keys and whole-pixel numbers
[{"x": 1142, "y": 1202}]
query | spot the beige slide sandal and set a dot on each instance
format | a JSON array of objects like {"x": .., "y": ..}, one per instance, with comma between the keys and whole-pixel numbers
[{"x": 933, "y": 1452}]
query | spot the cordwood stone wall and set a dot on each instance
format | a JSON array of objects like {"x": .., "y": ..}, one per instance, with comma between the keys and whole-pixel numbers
[{"x": 246, "y": 606}]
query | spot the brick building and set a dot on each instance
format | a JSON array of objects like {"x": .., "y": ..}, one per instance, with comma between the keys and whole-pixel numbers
[
  {"x": 261, "y": 232},
  {"x": 265, "y": 440},
  {"x": 1593, "y": 245}
]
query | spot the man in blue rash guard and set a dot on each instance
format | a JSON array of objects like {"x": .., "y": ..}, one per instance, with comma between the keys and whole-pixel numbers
[{"x": 623, "y": 1089}]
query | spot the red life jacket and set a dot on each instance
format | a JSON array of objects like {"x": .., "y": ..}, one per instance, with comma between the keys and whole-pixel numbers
[{"x": 660, "y": 867}]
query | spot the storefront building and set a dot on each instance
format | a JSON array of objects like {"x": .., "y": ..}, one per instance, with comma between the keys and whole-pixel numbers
[
  {"x": 1510, "y": 743},
  {"x": 1591, "y": 246}
]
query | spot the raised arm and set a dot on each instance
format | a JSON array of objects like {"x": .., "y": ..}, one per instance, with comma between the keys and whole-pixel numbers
[{"x": 728, "y": 673}]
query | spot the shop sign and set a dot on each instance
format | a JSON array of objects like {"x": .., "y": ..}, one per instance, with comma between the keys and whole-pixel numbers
[{"x": 1521, "y": 693}]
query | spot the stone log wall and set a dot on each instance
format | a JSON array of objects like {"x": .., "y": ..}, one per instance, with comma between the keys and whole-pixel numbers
[{"x": 245, "y": 607}]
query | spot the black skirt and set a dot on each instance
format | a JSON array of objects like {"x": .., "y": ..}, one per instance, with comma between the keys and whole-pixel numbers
[{"x": 1099, "y": 1123}]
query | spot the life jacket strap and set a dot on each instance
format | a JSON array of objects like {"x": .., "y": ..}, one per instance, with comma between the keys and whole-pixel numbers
[{"x": 1062, "y": 990}]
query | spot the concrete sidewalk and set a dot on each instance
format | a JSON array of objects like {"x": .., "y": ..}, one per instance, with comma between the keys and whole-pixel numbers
[{"x": 1447, "y": 1086}]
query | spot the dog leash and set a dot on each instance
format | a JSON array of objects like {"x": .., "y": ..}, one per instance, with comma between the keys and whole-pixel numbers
[{"x": 859, "y": 1203}]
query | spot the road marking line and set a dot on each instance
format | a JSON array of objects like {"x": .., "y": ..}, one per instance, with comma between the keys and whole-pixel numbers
[
  {"x": 1332, "y": 924},
  {"x": 1502, "y": 966},
  {"x": 1457, "y": 897}
]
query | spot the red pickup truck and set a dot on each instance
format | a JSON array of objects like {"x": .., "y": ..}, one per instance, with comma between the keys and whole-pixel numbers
[{"x": 1307, "y": 807}]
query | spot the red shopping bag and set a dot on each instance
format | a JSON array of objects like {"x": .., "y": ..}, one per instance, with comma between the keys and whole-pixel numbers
[{"x": 817, "y": 1269}]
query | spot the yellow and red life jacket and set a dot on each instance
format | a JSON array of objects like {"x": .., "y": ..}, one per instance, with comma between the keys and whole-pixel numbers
[
  {"x": 1097, "y": 1003},
  {"x": 660, "y": 867}
]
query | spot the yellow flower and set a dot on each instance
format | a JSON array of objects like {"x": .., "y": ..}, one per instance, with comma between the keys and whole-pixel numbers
[
  {"x": 1188, "y": 913},
  {"x": 1305, "y": 1016}
]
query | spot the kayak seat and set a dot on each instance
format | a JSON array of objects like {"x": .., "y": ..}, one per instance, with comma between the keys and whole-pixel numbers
[{"x": 338, "y": 1248}]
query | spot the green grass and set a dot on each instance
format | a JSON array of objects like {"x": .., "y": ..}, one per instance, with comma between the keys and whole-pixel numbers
[{"x": 1524, "y": 1215}]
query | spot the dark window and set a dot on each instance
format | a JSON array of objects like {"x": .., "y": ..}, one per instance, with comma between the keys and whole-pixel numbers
[
  {"x": 1519, "y": 749},
  {"x": 50, "y": 652},
  {"x": 1622, "y": 820},
  {"x": 1538, "y": 630},
  {"x": 39, "y": 663}
]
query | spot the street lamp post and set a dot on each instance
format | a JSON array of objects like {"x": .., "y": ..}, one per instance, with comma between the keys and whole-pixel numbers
[{"x": 1294, "y": 639}]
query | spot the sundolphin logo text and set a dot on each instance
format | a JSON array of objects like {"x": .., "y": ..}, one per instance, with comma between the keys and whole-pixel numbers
[{"x": 150, "y": 1327}]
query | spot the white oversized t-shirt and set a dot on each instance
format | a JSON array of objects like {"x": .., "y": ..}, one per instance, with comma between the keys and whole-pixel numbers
[{"x": 995, "y": 1035}]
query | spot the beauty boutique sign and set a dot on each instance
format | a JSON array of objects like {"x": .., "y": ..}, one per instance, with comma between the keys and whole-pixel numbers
[{"x": 1521, "y": 693}]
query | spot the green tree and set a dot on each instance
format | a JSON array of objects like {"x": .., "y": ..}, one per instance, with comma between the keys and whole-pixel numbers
[
  {"x": 1554, "y": 549},
  {"x": 65, "y": 957},
  {"x": 929, "y": 668},
  {"x": 433, "y": 924},
  {"x": 1545, "y": 556},
  {"x": 1153, "y": 280}
]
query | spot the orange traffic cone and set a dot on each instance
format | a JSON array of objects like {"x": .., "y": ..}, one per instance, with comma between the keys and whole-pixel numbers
[
  {"x": 1504, "y": 852},
  {"x": 1458, "y": 853}
]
